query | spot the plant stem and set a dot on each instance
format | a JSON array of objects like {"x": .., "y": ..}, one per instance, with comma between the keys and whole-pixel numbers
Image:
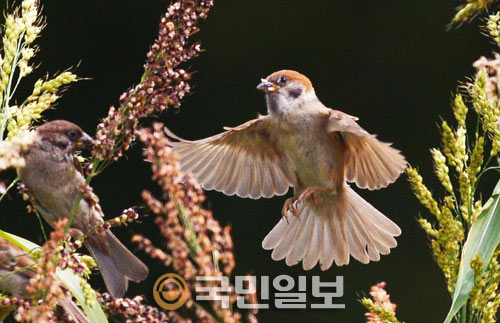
[
  {"x": 9, "y": 187},
  {"x": 194, "y": 247},
  {"x": 41, "y": 225}
]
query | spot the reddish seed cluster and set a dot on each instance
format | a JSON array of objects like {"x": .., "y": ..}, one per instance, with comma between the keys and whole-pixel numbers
[
  {"x": 26, "y": 305},
  {"x": 192, "y": 249},
  {"x": 164, "y": 84},
  {"x": 74, "y": 245},
  {"x": 380, "y": 299},
  {"x": 45, "y": 284},
  {"x": 72, "y": 261},
  {"x": 23, "y": 190},
  {"x": 128, "y": 215},
  {"x": 14, "y": 301},
  {"x": 155, "y": 253},
  {"x": 131, "y": 310},
  {"x": 21, "y": 309}
]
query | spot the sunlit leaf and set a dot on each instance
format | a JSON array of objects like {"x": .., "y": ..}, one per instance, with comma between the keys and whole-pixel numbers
[
  {"x": 483, "y": 239},
  {"x": 69, "y": 279}
]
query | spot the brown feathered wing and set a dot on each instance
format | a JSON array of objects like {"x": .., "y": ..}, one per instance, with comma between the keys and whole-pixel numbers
[
  {"x": 242, "y": 160},
  {"x": 369, "y": 163}
]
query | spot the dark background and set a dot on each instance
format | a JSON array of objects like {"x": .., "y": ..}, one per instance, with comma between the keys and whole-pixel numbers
[{"x": 391, "y": 63}]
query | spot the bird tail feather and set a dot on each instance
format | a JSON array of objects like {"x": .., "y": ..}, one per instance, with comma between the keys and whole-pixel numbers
[
  {"x": 118, "y": 266},
  {"x": 331, "y": 230}
]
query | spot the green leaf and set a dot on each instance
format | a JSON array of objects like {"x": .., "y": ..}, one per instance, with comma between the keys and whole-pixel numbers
[
  {"x": 5, "y": 312},
  {"x": 483, "y": 239},
  {"x": 69, "y": 279}
]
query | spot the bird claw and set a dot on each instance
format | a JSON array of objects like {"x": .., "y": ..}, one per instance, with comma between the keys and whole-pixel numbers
[{"x": 289, "y": 206}]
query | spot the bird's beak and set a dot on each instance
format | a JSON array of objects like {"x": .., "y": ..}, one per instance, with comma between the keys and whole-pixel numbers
[
  {"x": 85, "y": 142},
  {"x": 267, "y": 86}
]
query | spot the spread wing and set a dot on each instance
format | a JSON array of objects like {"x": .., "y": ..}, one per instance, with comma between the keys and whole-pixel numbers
[
  {"x": 242, "y": 160},
  {"x": 369, "y": 162}
]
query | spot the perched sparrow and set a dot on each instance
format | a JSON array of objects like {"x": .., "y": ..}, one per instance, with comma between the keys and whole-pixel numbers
[
  {"x": 53, "y": 178},
  {"x": 303, "y": 144},
  {"x": 16, "y": 270}
]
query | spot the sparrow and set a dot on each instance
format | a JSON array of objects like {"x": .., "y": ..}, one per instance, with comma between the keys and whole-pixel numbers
[
  {"x": 316, "y": 150},
  {"x": 17, "y": 268},
  {"x": 53, "y": 177}
]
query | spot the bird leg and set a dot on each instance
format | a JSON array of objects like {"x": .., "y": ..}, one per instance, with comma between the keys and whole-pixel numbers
[
  {"x": 310, "y": 192},
  {"x": 288, "y": 206}
]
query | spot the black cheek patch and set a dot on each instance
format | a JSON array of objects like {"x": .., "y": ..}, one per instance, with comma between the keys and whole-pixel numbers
[
  {"x": 61, "y": 145},
  {"x": 295, "y": 93}
]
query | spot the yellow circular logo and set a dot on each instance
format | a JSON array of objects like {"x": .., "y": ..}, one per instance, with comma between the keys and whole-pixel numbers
[{"x": 170, "y": 291}]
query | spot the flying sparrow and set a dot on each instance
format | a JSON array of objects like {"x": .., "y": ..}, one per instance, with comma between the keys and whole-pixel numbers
[
  {"x": 16, "y": 270},
  {"x": 316, "y": 150},
  {"x": 52, "y": 176}
]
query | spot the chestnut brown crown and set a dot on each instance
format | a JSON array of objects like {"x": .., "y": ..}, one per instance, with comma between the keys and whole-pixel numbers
[
  {"x": 64, "y": 135},
  {"x": 290, "y": 76},
  {"x": 282, "y": 79}
]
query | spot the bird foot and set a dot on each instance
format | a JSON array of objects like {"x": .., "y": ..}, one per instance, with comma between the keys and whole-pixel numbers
[
  {"x": 310, "y": 193},
  {"x": 288, "y": 206}
]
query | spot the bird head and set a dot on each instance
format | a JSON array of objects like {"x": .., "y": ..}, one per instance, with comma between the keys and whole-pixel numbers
[
  {"x": 64, "y": 135},
  {"x": 286, "y": 91}
]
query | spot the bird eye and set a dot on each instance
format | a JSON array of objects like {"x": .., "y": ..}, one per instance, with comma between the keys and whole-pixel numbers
[
  {"x": 282, "y": 80},
  {"x": 73, "y": 134}
]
